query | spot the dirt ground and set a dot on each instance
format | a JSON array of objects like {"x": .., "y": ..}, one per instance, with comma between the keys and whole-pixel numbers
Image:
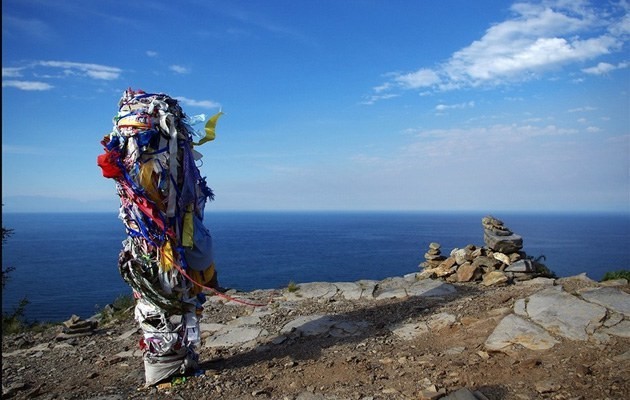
[{"x": 374, "y": 364}]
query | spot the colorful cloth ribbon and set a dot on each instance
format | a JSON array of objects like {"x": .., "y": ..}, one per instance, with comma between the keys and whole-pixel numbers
[{"x": 150, "y": 155}]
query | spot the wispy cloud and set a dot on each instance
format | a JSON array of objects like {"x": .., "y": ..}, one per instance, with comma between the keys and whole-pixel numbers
[
  {"x": 604, "y": 68},
  {"x": 582, "y": 109},
  {"x": 179, "y": 69},
  {"x": 27, "y": 85},
  {"x": 94, "y": 71},
  {"x": 11, "y": 72},
  {"x": 502, "y": 132},
  {"x": 536, "y": 39},
  {"x": 465, "y": 143},
  {"x": 34, "y": 74},
  {"x": 445, "y": 107},
  {"x": 259, "y": 21},
  {"x": 151, "y": 53},
  {"x": 27, "y": 27},
  {"x": 422, "y": 78},
  {"x": 593, "y": 129},
  {"x": 198, "y": 103},
  {"x": 374, "y": 98}
]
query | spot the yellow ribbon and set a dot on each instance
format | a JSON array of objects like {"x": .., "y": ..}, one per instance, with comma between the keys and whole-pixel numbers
[
  {"x": 188, "y": 229},
  {"x": 147, "y": 182},
  {"x": 210, "y": 129},
  {"x": 166, "y": 256},
  {"x": 205, "y": 277}
]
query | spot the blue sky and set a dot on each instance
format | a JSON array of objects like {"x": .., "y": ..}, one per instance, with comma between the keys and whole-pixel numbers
[{"x": 330, "y": 105}]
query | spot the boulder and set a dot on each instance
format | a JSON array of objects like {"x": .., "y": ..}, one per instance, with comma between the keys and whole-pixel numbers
[
  {"x": 460, "y": 256},
  {"x": 467, "y": 272},
  {"x": 504, "y": 258},
  {"x": 494, "y": 278},
  {"x": 488, "y": 263}
]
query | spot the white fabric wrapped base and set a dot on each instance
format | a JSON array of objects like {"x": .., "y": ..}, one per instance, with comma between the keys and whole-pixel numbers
[
  {"x": 168, "y": 350},
  {"x": 158, "y": 368}
]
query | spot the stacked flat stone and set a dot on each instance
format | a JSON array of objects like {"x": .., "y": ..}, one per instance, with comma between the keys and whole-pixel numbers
[
  {"x": 433, "y": 257},
  {"x": 507, "y": 247},
  {"x": 500, "y": 261},
  {"x": 498, "y": 237},
  {"x": 76, "y": 327}
]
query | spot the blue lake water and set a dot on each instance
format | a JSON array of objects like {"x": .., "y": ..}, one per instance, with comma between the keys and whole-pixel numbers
[{"x": 67, "y": 263}]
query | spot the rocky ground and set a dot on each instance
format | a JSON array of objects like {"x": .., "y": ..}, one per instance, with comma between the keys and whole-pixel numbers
[{"x": 337, "y": 345}]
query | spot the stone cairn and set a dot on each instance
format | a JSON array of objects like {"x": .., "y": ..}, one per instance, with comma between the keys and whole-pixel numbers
[
  {"x": 500, "y": 261},
  {"x": 76, "y": 327},
  {"x": 434, "y": 256}
]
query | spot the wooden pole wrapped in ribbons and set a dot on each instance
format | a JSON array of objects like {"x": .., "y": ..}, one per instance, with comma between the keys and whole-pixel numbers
[{"x": 167, "y": 256}]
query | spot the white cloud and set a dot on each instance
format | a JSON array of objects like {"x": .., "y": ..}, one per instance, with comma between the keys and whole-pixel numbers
[
  {"x": 35, "y": 74},
  {"x": 622, "y": 26},
  {"x": 151, "y": 53},
  {"x": 11, "y": 72},
  {"x": 383, "y": 87},
  {"x": 198, "y": 103},
  {"x": 27, "y": 85},
  {"x": 465, "y": 149},
  {"x": 94, "y": 71},
  {"x": 27, "y": 27},
  {"x": 373, "y": 99},
  {"x": 582, "y": 109},
  {"x": 533, "y": 119},
  {"x": 179, "y": 69},
  {"x": 603, "y": 68},
  {"x": 498, "y": 131},
  {"x": 593, "y": 129},
  {"x": 444, "y": 107},
  {"x": 528, "y": 166},
  {"x": 496, "y": 65},
  {"x": 421, "y": 78},
  {"x": 537, "y": 38}
]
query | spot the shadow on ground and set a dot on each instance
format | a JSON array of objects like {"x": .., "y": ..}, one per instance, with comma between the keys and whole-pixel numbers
[{"x": 379, "y": 315}]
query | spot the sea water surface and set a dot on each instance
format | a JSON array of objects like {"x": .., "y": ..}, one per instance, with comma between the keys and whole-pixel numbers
[{"x": 67, "y": 263}]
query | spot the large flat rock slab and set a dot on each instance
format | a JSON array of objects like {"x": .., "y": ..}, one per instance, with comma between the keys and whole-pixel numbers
[
  {"x": 563, "y": 314},
  {"x": 308, "y": 325},
  {"x": 318, "y": 324},
  {"x": 229, "y": 337},
  {"x": 402, "y": 288},
  {"x": 621, "y": 329},
  {"x": 408, "y": 331},
  {"x": 390, "y": 288},
  {"x": 430, "y": 288},
  {"x": 312, "y": 290},
  {"x": 514, "y": 330},
  {"x": 355, "y": 290},
  {"x": 610, "y": 297}
]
